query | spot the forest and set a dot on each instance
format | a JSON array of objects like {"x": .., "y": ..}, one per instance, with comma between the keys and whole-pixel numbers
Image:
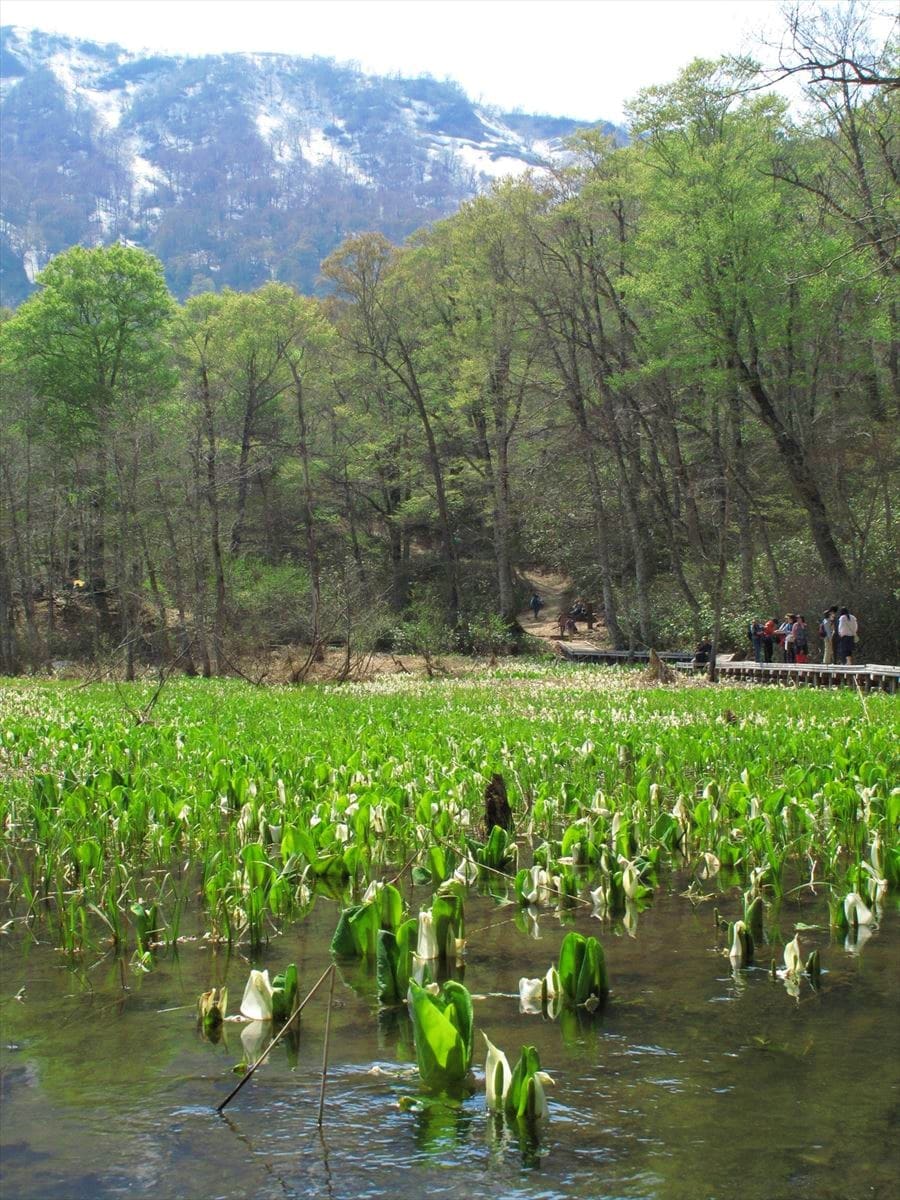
[{"x": 667, "y": 370}]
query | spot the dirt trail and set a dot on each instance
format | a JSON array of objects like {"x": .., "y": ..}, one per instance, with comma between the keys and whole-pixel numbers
[{"x": 555, "y": 590}]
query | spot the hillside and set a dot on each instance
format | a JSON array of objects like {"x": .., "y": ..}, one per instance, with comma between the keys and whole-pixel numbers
[{"x": 234, "y": 169}]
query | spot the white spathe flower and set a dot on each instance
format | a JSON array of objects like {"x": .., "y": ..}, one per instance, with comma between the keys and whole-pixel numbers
[
  {"x": 257, "y": 1000},
  {"x": 372, "y": 891},
  {"x": 426, "y": 943},
  {"x": 541, "y": 1108},
  {"x": 534, "y": 994},
  {"x": 710, "y": 865},
  {"x": 856, "y": 911},
  {"x": 467, "y": 872},
  {"x": 631, "y": 881},
  {"x": 342, "y": 833},
  {"x": 541, "y": 885},
  {"x": 377, "y": 818},
  {"x": 876, "y": 886},
  {"x": 530, "y": 992},
  {"x": 245, "y": 823},
  {"x": 793, "y": 961},
  {"x": 600, "y": 901},
  {"x": 740, "y": 945},
  {"x": 875, "y": 856},
  {"x": 497, "y": 1075}
]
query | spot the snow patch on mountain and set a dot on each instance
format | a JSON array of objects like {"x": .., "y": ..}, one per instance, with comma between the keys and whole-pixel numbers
[{"x": 249, "y": 166}]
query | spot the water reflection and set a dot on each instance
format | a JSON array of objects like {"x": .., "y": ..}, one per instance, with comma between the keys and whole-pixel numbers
[{"x": 107, "y": 1085}]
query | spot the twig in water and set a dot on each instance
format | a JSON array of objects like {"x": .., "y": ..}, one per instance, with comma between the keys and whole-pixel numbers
[
  {"x": 325, "y": 1050},
  {"x": 265, "y": 1054}
]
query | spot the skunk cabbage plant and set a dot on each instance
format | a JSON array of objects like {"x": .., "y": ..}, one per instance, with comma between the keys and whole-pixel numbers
[
  {"x": 356, "y": 935},
  {"x": 211, "y": 1008},
  {"x": 497, "y": 1076},
  {"x": 754, "y": 912},
  {"x": 741, "y": 952},
  {"x": 538, "y": 995},
  {"x": 518, "y": 1093},
  {"x": 268, "y": 1000},
  {"x": 393, "y": 959},
  {"x": 284, "y": 993},
  {"x": 856, "y": 912},
  {"x": 793, "y": 960},
  {"x": 442, "y": 1025},
  {"x": 257, "y": 999},
  {"x": 498, "y": 853},
  {"x": 582, "y": 971},
  {"x": 441, "y": 930},
  {"x": 525, "y": 1098}
]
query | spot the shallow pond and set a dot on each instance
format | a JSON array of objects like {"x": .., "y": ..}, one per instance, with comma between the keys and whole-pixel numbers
[{"x": 695, "y": 1081}]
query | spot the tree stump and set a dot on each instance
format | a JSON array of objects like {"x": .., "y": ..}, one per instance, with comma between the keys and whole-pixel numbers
[
  {"x": 496, "y": 805},
  {"x": 657, "y": 671}
]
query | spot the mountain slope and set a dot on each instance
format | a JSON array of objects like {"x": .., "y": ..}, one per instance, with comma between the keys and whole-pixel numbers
[{"x": 234, "y": 168}]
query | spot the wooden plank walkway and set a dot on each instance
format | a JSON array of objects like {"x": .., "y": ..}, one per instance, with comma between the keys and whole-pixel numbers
[
  {"x": 872, "y": 676},
  {"x": 588, "y": 652}
]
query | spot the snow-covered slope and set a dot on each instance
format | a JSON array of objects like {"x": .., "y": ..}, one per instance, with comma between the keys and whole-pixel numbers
[{"x": 234, "y": 168}]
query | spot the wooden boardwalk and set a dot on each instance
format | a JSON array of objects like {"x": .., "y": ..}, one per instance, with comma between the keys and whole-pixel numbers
[
  {"x": 588, "y": 652},
  {"x": 872, "y": 676}
]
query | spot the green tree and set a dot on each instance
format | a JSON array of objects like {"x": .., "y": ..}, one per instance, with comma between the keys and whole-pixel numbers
[{"x": 91, "y": 346}]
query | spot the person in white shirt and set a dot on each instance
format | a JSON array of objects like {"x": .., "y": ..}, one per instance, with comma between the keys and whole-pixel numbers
[{"x": 848, "y": 628}]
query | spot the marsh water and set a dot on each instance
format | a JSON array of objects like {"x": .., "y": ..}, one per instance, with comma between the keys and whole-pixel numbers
[{"x": 696, "y": 1081}]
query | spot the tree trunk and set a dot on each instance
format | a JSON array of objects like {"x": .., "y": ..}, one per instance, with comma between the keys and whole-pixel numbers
[
  {"x": 312, "y": 548},
  {"x": 9, "y": 658},
  {"x": 212, "y": 499},
  {"x": 801, "y": 476}
]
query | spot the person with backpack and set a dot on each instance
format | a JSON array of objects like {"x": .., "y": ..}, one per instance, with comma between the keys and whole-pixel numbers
[
  {"x": 800, "y": 635},
  {"x": 848, "y": 628},
  {"x": 827, "y": 631},
  {"x": 535, "y": 604},
  {"x": 755, "y": 633}
]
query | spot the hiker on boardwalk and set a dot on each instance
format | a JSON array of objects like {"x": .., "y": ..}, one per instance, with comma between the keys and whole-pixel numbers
[
  {"x": 800, "y": 636},
  {"x": 770, "y": 632},
  {"x": 702, "y": 653},
  {"x": 828, "y": 634},
  {"x": 755, "y": 634},
  {"x": 848, "y": 628},
  {"x": 786, "y": 636},
  {"x": 563, "y": 621},
  {"x": 535, "y": 604}
]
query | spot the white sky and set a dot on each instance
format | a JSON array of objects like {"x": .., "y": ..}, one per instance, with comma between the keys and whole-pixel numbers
[{"x": 579, "y": 58}]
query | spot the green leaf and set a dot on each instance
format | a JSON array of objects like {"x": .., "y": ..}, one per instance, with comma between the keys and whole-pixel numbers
[
  {"x": 441, "y": 1050},
  {"x": 517, "y": 1094}
]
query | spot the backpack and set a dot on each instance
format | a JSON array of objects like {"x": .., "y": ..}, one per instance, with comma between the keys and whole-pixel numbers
[{"x": 822, "y": 631}]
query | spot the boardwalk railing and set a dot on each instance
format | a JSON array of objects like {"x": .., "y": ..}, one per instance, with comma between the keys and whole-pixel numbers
[
  {"x": 585, "y": 652},
  {"x": 870, "y": 676}
]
